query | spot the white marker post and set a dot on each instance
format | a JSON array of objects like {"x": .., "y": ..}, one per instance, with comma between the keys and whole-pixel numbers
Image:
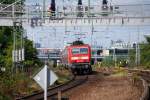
[
  {"x": 45, "y": 90},
  {"x": 44, "y": 78}
]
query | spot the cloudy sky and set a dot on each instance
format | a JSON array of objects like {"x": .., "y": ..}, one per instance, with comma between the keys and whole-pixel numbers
[{"x": 54, "y": 37}]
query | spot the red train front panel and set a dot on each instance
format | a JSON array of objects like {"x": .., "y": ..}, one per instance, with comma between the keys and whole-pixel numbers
[{"x": 79, "y": 54}]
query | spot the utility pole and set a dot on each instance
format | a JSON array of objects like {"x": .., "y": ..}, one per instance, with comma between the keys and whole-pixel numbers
[
  {"x": 14, "y": 50},
  {"x": 129, "y": 46},
  {"x": 44, "y": 10},
  {"x": 114, "y": 55},
  {"x": 14, "y": 40},
  {"x": 65, "y": 33},
  {"x": 89, "y": 4},
  {"x": 92, "y": 32},
  {"x": 137, "y": 56},
  {"x": 18, "y": 51}
]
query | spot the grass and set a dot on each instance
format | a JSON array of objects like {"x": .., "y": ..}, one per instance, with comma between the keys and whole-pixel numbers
[
  {"x": 22, "y": 84},
  {"x": 119, "y": 71},
  {"x": 118, "y": 74}
]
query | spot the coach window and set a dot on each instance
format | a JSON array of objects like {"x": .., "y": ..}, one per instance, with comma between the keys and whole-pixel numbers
[
  {"x": 83, "y": 50},
  {"x": 75, "y": 51}
]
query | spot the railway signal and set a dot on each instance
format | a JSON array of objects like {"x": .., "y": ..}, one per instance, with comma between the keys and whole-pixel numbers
[{"x": 44, "y": 78}]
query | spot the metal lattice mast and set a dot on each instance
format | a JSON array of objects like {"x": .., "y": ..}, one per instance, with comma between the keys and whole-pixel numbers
[
  {"x": 89, "y": 7},
  {"x": 44, "y": 10},
  {"x": 80, "y": 9},
  {"x": 18, "y": 50}
]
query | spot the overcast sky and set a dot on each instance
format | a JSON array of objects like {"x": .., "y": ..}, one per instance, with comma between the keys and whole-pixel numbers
[{"x": 49, "y": 37}]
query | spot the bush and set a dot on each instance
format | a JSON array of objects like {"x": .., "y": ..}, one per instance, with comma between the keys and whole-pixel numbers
[
  {"x": 13, "y": 85},
  {"x": 4, "y": 97}
]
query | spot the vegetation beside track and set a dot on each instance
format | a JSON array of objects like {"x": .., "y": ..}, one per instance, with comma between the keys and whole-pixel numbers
[
  {"x": 130, "y": 61},
  {"x": 144, "y": 55},
  {"x": 15, "y": 83},
  {"x": 20, "y": 82},
  {"x": 10, "y": 1}
]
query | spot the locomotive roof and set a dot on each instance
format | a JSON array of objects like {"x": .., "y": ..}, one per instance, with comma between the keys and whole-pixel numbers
[{"x": 84, "y": 45}]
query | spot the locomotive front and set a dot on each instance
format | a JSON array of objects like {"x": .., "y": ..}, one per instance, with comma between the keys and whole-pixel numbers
[{"x": 80, "y": 58}]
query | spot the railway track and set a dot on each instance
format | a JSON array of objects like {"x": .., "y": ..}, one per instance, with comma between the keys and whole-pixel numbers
[
  {"x": 51, "y": 92},
  {"x": 145, "y": 75},
  {"x": 79, "y": 80}
]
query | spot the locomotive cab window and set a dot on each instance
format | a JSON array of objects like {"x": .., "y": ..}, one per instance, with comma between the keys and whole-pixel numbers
[
  {"x": 75, "y": 51},
  {"x": 83, "y": 50},
  {"x": 79, "y": 50}
]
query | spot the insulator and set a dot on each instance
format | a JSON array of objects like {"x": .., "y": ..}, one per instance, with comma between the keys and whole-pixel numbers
[
  {"x": 84, "y": 20},
  {"x": 96, "y": 20},
  {"x": 128, "y": 20},
  {"x": 114, "y": 20},
  {"x": 101, "y": 20},
  {"x": 109, "y": 20},
  {"x": 122, "y": 21},
  {"x": 88, "y": 20}
]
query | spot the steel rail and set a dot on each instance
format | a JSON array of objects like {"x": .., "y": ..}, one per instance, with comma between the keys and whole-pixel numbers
[{"x": 78, "y": 80}]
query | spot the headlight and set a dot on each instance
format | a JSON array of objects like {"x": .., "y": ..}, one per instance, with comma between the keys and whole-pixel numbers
[
  {"x": 74, "y": 58},
  {"x": 86, "y": 57}
]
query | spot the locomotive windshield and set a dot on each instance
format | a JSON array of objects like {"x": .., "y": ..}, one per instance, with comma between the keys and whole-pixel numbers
[
  {"x": 79, "y": 50},
  {"x": 83, "y": 50}
]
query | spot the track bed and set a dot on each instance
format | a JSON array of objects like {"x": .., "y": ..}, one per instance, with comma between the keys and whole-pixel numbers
[{"x": 105, "y": 88}]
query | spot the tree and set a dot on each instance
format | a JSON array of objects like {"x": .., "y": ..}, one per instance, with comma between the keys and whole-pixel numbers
[
  {"x": 8, "y": 83},
  {"x": 31, "y": 55},
  {"x": 10, "y": 1},
  {"x": 145, "y": 53},
  {"x": 6, "y": 43},
  {"x": 148, "y": 39}
]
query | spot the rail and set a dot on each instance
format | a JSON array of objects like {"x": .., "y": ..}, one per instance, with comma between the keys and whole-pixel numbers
[
  {"x": 78, "y": 80},
  {"x": 145, "y": 77}
]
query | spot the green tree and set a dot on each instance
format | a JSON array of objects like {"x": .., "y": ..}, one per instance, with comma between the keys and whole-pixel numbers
[
  {"x": 148, "y": 39},
  {"x": 145, "y": 53},
  {"x": 10, "y": 1},
  {"x": 31, "y": 55},
  {"x": 7, "y": 81},
  {"x": 6, "y": 43}
]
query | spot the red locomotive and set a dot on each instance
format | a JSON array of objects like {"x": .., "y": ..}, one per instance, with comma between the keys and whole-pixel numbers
[{"x": 78, "y": 58}]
